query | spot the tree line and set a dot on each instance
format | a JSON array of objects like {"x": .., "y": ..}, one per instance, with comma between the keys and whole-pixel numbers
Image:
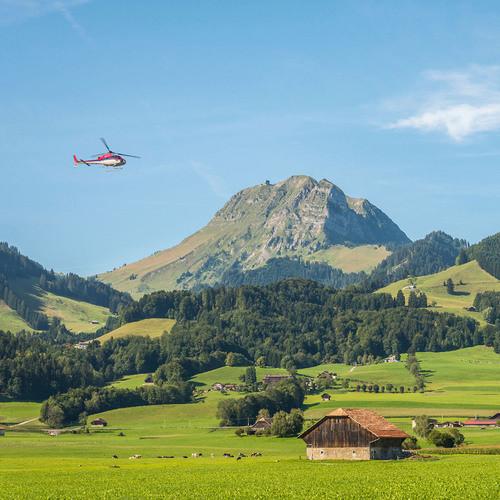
[
  {"x": 75, "y": 405},
  {"x": 281, "y": 397},
  {"x": 487, "y": 254}
]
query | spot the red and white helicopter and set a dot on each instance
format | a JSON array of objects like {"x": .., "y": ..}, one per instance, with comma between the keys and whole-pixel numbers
[{"x": 109, "y": 159}]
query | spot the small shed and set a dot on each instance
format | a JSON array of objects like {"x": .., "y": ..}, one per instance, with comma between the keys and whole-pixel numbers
[
  {"x": 326, "y": 397},
  {"x": 99, "y": 422},
  {"x": 353, "y": 434}
]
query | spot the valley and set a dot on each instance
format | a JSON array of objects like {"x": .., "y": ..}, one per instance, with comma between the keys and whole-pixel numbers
[{"x": 462, "y": 383}]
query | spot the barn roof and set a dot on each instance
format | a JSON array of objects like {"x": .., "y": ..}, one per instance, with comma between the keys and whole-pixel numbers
[{"x": 367, "y": 419}]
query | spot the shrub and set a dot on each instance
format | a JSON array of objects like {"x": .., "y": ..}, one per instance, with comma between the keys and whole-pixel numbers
[
  {"x": 446, "y": 439},
  {"x": 411, "y": 443}
]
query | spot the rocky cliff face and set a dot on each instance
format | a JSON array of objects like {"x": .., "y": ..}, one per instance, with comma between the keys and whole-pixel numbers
[{"x": 295, "y": 217}]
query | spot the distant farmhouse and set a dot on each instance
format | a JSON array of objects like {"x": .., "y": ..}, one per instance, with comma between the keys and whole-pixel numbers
[
  {"x": 262, "y": 424},
  {"x": 353, "y": 434},
  {"x": 391, "y": 359},
  {"x": 99, "y": 422},
  {"x": 486, "y": 422},
  {"x": 448, "y": 424},
  {"x": 224, "y": 387}
]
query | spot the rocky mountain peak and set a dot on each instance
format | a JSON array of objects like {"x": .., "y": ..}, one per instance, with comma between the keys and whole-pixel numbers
[{"x": 298, "y": 216}]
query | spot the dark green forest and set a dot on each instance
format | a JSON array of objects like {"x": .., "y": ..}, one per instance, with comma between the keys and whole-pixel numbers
[
  {"x": 278, "y": 269},
  {"x": 435, "y": 252},
  {"x": 297, "y": 323},
  {"x": 487, "y": 253}
]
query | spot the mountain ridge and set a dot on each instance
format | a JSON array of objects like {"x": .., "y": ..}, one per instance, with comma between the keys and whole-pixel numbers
[{"x": 294, "y": 217}]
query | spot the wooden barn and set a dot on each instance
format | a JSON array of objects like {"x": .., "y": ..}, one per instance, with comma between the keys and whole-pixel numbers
[
  {"x": 262, "y": 424},
  {"x": 353, "y": 434}
]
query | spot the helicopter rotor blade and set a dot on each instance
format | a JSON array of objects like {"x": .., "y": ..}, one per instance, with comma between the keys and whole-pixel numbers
[
  {"x": 106, "y": 144},
  {"x": 131, "y": 156}
]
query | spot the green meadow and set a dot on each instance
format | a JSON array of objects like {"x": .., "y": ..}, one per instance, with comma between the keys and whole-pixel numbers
[
  {"x": 469, "y": 280},
  {"x": 461, "y": 384},
  {"x": 153, "y": 327}
]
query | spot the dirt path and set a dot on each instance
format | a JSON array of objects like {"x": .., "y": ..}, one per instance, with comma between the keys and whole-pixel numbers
[
  {"x": 25, "y": 422},
  {"x": 352, "y": 369}
]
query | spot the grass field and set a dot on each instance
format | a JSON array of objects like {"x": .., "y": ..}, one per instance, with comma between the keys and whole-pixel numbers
[
  {"x": 449, "y": 477},
  {"x": 474, "y": 278},
  {"x": 462, "y": 383},
  {"x": 154, "y": 327},
  {"x": 351, "y": 260}
]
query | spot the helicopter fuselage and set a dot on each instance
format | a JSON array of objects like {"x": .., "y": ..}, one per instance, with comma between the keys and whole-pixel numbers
[
  {"x": 105, "y": 160},
  {"x": 108, "y": 159}
]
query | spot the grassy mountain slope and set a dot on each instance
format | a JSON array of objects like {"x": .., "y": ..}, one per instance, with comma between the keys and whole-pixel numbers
[
  {"x": 153, "y": 327},
  {"x": 293, "y": 218},
  {"x": 32, "y": 296},
  {"x": 474, "y": 280},
  {"x": 352, "y": 259},
  {"x": 77, "y": 315},
  {"x": 10, "y": 321}
]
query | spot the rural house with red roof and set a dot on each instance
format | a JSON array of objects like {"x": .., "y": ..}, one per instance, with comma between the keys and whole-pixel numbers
[{"x": 353, "y": 434}]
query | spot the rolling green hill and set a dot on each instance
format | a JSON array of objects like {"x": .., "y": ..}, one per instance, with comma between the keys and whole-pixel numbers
[
  {"x": 33, "y": 296},
  {"x": 153, "y": 327},
  {"x": 474, "y": 280},
  {"x": 77, "y": 315}
]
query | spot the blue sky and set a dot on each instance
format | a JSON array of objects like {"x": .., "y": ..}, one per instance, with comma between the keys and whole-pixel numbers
[{"x": 397, "y": 102}]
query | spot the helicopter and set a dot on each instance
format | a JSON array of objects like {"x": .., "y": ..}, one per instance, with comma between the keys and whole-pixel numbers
[{"x": 109, "y": 159}]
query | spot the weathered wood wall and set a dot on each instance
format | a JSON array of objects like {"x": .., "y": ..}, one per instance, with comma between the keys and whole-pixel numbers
[{"x": 338, "y": 432}]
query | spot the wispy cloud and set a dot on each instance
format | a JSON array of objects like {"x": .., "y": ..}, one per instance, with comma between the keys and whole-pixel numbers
[
  {"x": 63, "y": 9},
  {"x": 216, "y": 183},
  {"x": 458, "y": 103},
  {"x": 19, "y": 10}
]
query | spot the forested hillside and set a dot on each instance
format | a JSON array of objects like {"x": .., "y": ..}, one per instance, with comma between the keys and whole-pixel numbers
[
  {"x": 487, "y": 253},
  {"x": 23, "y": 282},
  {"x": 293, "y": 323},
  {"x": 282, "y": 268},
  {"x": 298, "y": 323},
  {"x": 435, "y": 252}
]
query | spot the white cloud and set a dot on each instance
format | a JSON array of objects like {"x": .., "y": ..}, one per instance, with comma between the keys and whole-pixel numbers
[{"x": 458, "y": 103}]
